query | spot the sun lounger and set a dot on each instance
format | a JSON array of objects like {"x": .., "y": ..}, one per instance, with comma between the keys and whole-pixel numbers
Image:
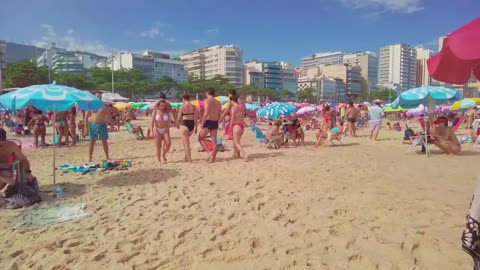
[{"x": 263, "y": 139}]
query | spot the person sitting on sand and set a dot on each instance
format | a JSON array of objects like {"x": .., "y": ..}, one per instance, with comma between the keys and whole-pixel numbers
[
  {"x": 133, "y": 128},
  {"x": 296, "y": 132},
  {"x": 160, "y": 126},
  {"x": 321, "y": 137},
  {"x": 21, "y": 187},
  {"x": 39, "y": 128},
  {"x": 275, "y": 134},
  {"x": 444, "y": 138}
]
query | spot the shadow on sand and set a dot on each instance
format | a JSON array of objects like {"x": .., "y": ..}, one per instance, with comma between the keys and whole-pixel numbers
[
  {"x": 70, "y": 190},
  {"x": 344, "y": 144},
  {"x": 141, "y": 177}
]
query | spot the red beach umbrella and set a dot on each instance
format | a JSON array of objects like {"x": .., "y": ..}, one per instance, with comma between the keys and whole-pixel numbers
[{"x": 459, "y": 57}]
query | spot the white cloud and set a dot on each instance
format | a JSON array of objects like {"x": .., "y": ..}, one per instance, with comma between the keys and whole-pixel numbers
[
  {"x": 213, "y": 30},
  {"x": 70, "y": 42},
  {"x": 171, "y": 39},
  {"x": 152, "y": 32},
  {"x": 400, "y": 6}
]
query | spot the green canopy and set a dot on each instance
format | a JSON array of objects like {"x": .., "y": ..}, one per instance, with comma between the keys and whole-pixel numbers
[{"x": 390, "y": 109}]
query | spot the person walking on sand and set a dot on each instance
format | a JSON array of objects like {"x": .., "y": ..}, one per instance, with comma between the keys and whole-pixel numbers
[
  {"x": 237, "y": 125},
  {"x": 72, "y": 123},
  {"x": 160, "y": 126},
  {"x": 39, "y": 127},
  {"x": 375, "y": 114},
  {"x": 96, "y": 122},
  {"x": 187, "y": 123},
  {"x": 210, "y": 118},
  {"x": 352, "y": 116}
]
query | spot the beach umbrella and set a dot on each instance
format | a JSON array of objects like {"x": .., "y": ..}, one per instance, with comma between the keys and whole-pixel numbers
[
  {"x": 222, "y": 99},
  {"x": 137, "y": 105},
  {"x": 306, "y": 110},
  {"x": 252, "y": 107},
  {"x": 459, "y": 57},
  {"x": 197, "y": 103},
  {"x": 176, "y": 104},
  {"x": 304, "y": 104},
  {"x": 276, "y": 110},
  {"x": 465, "y": 104},
  {"x": 427, "y": 96},
  {"x": 390, "y": 109},
  {"x": 122, "y": 106},
  {"x": 51, "y": 97}
]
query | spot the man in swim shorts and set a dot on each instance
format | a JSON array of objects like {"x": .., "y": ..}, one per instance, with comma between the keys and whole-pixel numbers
[
  {"x": 98, "y": 128},
  {"x": 375, "y": 114},
  {"x": 352, "y": 115},
  {"x": 210, "y": 118}
]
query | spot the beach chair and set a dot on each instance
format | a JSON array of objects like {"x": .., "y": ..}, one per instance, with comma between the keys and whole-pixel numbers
[
  {"x": 263, "y": 139},
  {"x": 361, "y": 124}
]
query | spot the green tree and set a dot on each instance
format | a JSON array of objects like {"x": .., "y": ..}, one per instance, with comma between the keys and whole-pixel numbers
[
  {"x": 25, "y": 73},
  {"x": 249, "y": 90},
  {"x": 306, "y": 94},
  {"x": 286, "y": 94},
  {"x": 78, "y": 81}
]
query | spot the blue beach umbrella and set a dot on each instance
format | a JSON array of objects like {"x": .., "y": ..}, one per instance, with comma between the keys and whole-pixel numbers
[
  {"x": 252, "y": 107},
  {"x": 276, "y": 110},
  {"x": 50, "y": 97},
  {"x": 426, "y": 95}
]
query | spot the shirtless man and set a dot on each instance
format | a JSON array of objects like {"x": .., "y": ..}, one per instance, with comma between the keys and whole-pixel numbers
[
  {"x": 352, "y": 115},
  {"x": 97, "y": 127},
  {"x": 213, "y": 109},
  {"x": 444, "y": 138}
]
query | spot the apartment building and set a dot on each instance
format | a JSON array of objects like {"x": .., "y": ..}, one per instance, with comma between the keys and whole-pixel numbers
[
  {"x": 368, "y": 63},
  {"x": 274, "y": 75},
  {"x": 398, "y": 66},
  {"x": 226, "y": 61},
  {"x": 423, "y": 77},
  {"x": 328, "y": 58}
]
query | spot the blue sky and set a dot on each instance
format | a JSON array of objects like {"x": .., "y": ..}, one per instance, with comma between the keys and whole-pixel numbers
[{"x": 270, "y": 30}]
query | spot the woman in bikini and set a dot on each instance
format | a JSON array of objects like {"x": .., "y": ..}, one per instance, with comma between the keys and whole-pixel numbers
[
  {"x": 187, "y": 123},
  {"x": 160, "y": 126},
  {"x": 61, "y": 123},
  {"x": 72, "y": 124},
  {"x": 237, "y": 114},
  {"x": 327, "y": 118},
  {"x": 39, "y": 128}
]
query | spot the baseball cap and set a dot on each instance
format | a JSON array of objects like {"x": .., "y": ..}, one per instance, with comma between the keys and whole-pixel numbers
[
  {"x": 3, "y": 134},
  {"x": 440, "y": 120}
]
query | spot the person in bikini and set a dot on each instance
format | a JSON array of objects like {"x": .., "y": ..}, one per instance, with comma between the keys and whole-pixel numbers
[
  {"x": 61, "y": 123},
  {"x": 352, "y": 116},
  {"x": 444, "y": 138},
  {"x": 187, "y": 123},
  {"x": 160, "y": 126},
  {"x": 327, "y": 115},
  {"x": 275, "y": 133},
  {"x": 96, "y": 122},
  {"x": 39, "y": 128},
  {"x": 210, "y": 118},
  {"x": 237, "y": 114}
]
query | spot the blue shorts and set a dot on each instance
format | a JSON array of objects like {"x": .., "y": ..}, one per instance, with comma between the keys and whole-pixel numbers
[{"x": 98, "y": 132}]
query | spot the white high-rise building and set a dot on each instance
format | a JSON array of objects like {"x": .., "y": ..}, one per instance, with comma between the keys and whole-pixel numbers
[
  {"x": 368, "y": 62},
  {"x": 423, "y": 77},
  {"x": 440, "y": 42},
  {"x": 398, "y": 67},
  {"x": 328, "y": 58},
  {"x": 226, "y": 61}
]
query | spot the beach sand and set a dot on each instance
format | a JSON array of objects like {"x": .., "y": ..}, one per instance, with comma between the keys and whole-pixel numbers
[{"x": 363, "y": 205}]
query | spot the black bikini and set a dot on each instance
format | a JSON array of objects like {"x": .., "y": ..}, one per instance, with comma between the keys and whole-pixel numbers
[{"x": 190, "y": 124}]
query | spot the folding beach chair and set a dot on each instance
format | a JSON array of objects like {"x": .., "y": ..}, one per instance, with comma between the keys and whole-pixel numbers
[
  {"x": 131, "y": 131},
  {"x": 419, "y": 139},
  {"x": 361, "y": 124},
  {"x": 458, "y": 124},
  {"x": 263, "y": 139}
]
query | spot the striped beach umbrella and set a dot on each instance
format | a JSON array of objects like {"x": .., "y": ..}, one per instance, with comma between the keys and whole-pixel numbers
[
  {"x": 465, "y": 104},
  {"x": 277, "y": 110},
  {"x": 426, "y": 95}
]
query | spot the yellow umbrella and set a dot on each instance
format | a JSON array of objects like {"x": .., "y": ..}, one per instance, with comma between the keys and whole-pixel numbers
[
  {"x": 122, "y": 106},
  {"x": 465, "y": 103},
  {"x": 197, "y": 103},
  {"x": 390, "y": 109}
]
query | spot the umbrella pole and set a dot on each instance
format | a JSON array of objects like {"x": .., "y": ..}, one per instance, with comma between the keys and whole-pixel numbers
[
  {"x": 54, "y": 144},
  {"x": 426, "y": 131}
]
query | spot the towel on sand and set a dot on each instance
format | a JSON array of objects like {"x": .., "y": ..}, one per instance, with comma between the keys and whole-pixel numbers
[
  {"x": 50, "y": 214},
  {"x": 471, "y": 234}
]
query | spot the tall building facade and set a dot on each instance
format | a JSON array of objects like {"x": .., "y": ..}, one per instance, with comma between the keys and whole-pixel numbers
[
  {"x": 398, "y": 67},
  {"x": 440, "y": 42},
  {"x": 368, "y": 63},
  {"x": 66, "y": 62},
  {"x": 274, "y": 75},
  {"x": 18, "y": 52},
  {"x": 226, "y": 61},
  {"x": 329, "y": 58},
  {"x": 423, "y": 77},
  {"x": 154, "y": 65}
]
